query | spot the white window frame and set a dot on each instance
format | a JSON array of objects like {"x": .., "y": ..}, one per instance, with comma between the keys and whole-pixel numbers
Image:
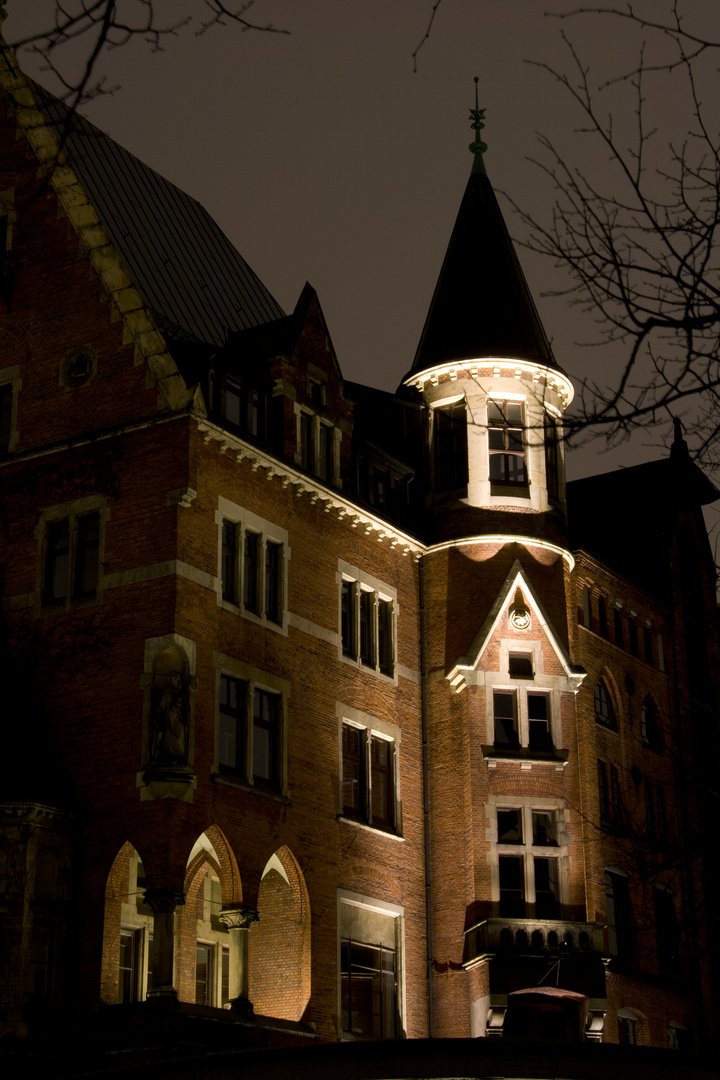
[
  {"x": 245, "y": 521},
  {"x": 374, "y": 728},
  {"x": 348, "y": 899},
  {"x": 255, "y": 679},
  {"x": 379, "y": 591},
  {"x": 528, "y": 851}
]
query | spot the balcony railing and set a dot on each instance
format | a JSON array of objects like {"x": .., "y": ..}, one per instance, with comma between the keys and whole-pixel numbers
[{"x": 531, "y": 937}]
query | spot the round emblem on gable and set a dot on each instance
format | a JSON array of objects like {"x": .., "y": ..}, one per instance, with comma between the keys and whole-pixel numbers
[
  {"x": 78, "y": 367},
  {"x": 520, "y": 618}
]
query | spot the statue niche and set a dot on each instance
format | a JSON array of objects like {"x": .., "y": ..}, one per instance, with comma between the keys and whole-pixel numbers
[{"x": 169, "y": 718}]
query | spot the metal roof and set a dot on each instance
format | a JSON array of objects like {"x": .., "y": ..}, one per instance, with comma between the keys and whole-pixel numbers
[
  {"x": 482, "y": 305},
  {"x": 185, "y": 268}
]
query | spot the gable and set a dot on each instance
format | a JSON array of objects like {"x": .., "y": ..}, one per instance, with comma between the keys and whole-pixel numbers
[{"x": 516, "y": 619}]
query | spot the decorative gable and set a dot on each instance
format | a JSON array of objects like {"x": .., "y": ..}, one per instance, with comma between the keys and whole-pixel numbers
[{"x": 517, "y": 632}]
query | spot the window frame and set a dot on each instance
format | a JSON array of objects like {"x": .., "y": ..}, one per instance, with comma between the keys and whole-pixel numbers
[
  {"x": 372, "y": 731},
  {"x": 352, "y": 909},
  {"x": 242, "y": 582},
  {"x": 526, "y": 689},
  {"x": 527, "y": 851},
  {"x": 251, "y": 682},
  {"x": 77, "y": 516},
  {"x": 319, "y": 457},
  {"x": 505, "y": 426},
  {"x": 450, "y": 445},
  {"x": 367, "y": 604}
]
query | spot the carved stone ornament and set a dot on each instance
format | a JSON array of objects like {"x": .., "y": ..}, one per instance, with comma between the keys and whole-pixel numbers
[{"x": 519, "y": 615}]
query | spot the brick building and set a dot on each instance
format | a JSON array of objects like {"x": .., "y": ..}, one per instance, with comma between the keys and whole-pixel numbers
[{"x": 330, "y": 714}]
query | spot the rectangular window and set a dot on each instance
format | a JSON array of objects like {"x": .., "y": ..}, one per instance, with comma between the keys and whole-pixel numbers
[
  {"x": 367, "y": 645},
  {"x": 647, "y": 642},
  {"x": 367, "y": 632},
  {"x": 128, "y": 972},
  {"x": 615, "y": 795},
  {"x": 662, "y": 823},
  {"x": 509, "y": 826},
  {"x": 539, "y": 721},
  {"x": 586, "y": 608},
  {"x": 368, "y": 990},
  {"x": 546, "y": 888},
  {"x": 667, "y": 931},
  {"x": 506, "y": 444},
  {"x": 250, "y": 732},
  {"x": 57, "y": 561},
  {"x": 6, "y": 406},
  {"x": 618, "y": 914},
  {"x": 40, "y": 964},
  {"x": 602, "y": 618},
  {"x": 347, "y": 620},
  {"x": 520, "y": 666},
  {"x": 266, "y": 738},
  {"x": 368, "y": 777},
  {"x": 307, "y": 442},
  {"x": 72, "y": 559},
  {"x": 354, "y": 784},
  {"x": 451, "y": 450},
  {"x": 603, "y": 791},
  {"x": 326, "y": 454},
  {"x": 552, "y": 472},
  {"x": 661, "y": 653},
  {"x": 242, "y": 406},
  {"x": 250, "y": 572},
  {"x": 252, "y": 566},
  {"x": 273, "y": 581},
  {"x": 529, "y": 878},
  {"x": 229, "y": 561},
  {"x": 633, "y": 637},
  {"x": 505, "y": 718},
  {"x": 385, "y": 640},
  {"x": 203, "y": 974},
  {"x": 231, "y": 748},
  {"x": 87, "y": 555},
  {"x": 618, "y": 629},
  {"x": 512, "y": 886},
  {"x": 650, "y": 812}
]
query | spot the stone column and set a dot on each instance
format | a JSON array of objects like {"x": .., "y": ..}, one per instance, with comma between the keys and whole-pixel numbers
[
  {"x": 163, "y": 904},
  {"x": 238, "y": 922}
]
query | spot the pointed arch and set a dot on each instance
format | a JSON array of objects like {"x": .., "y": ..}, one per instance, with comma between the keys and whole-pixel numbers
[
  {"x": 127, "y": 930},
  {"x": 212, "y": 883},
  {"x": 279, "y": 944}
]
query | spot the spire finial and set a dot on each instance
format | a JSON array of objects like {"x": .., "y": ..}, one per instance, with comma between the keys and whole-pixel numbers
[{"x": 478, "y": 147}]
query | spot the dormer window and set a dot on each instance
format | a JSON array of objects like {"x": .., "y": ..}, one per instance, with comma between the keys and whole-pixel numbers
[
  {"x": 520, "y": 666},
  {"x": 243, "y": 407},
  {"x": 506, "y": 444}
]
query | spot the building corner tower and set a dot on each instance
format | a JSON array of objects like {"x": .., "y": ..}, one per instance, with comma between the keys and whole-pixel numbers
[{"x": 511, "y": 937}]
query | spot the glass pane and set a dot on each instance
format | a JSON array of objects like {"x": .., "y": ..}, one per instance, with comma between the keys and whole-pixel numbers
[
  {"x": 544, "y": 829},
  {"x": 516, "y": 469},
  {"x": 496, "y": 439},
  {"x": 353, "y": 771},
  {"x": 57, "y": 560},
  {"x": 509, "y": 824},
  {"x": 231, "y": 404},
  {"x": 514, "y": 413},
  {"x": 250, "y": 571},
  {"x": 88, "y": 555},
  {"x": 495, "y": 413}
]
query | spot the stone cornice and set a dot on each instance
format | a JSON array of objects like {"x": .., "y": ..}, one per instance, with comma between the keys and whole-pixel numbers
[{"x": 332, "y": 501}]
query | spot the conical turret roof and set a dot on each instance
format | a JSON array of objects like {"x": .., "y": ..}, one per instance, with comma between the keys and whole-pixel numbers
[{"x": 482, "y": 304}]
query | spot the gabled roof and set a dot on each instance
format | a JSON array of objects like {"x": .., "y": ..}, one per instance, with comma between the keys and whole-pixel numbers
[
  {"x": 515, "y": 580},
  {"x": 482, "y": 305},
  {"x": 188, "y": 273}
]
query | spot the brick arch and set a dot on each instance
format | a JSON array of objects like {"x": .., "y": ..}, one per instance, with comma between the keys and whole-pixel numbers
[
  {"x": 279, "y": 943},
  {"x": 377, "y": 883},
  {"x": 117, "y": 888}
]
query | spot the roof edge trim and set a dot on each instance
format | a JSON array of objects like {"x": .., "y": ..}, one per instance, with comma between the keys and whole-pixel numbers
[{"x": 472, "y": 365}]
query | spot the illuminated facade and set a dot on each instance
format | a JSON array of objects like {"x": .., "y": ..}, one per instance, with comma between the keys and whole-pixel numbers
[{"x": 341, "y": 715}]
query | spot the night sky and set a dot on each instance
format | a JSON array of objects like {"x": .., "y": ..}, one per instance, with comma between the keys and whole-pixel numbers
[{"x": 325, "y": 158}]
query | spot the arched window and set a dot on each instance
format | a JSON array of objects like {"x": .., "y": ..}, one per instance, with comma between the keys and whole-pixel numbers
[
  {"x": 604, "y": 711},
  {"x": 627, "y": 1027}
]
